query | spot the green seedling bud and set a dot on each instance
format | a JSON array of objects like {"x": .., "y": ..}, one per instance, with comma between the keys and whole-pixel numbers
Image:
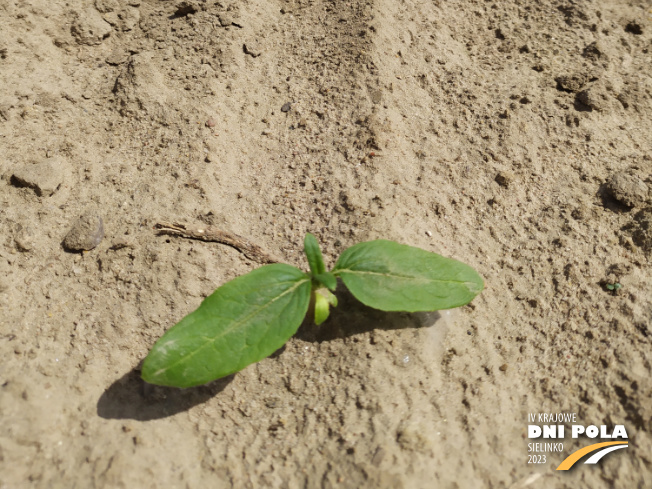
[{"x": 324, "y": 299}]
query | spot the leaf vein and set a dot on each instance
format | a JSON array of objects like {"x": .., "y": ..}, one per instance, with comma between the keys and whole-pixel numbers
[
  {"x": 236, "y": 324},
  {"x": 405, "y": 277}
]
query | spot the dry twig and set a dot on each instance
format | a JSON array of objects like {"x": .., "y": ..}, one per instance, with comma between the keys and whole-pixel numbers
[{"x": 244, "y": 246}]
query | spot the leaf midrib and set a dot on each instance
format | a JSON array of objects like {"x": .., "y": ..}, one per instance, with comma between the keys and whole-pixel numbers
[{"x": 405, "y": 277}]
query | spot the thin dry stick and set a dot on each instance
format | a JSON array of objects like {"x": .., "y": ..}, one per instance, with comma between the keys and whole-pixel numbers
[{"x": 244, "y": 246}]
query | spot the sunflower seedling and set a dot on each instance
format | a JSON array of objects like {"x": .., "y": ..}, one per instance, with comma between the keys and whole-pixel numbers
[{"x": 252, "y": 316}]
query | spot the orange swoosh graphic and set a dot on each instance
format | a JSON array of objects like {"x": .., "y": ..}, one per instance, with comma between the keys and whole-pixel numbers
[{"x": 575, "y": 456}]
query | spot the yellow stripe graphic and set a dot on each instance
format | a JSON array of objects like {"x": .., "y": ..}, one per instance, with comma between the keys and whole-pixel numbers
[{"x": 575, "y": 456}]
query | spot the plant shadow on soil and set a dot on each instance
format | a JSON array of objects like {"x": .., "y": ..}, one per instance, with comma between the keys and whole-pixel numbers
[
  {"x": 130, "y": 397},
  {"x": 351, "y": 317}
]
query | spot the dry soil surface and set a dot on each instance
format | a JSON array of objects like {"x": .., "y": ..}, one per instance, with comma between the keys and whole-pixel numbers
[{"x": 513, "y": 135}]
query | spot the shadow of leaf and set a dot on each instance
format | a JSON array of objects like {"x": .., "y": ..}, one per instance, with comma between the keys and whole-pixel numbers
[
  {"x": 130, "y": 397},
  {"x": 351, "y": 317}
]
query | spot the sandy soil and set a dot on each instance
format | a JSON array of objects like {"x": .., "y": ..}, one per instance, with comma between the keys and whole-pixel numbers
[{"x": 514, "y": 136}]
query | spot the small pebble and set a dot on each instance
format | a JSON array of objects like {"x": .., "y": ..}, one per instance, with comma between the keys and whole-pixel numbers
[
  {"x": 252, "y": 48},
  {"x": 286, "y": 107},
  {"x": 627, "y": 189},
  {"x": 85, "y": 234},
  {"x": 117, "y": 57},
  {"x": 44, "y": 178},
  {"x": 210, "y": 123},
  {"x": 225, "y": 19},
  {"x": 504, "y": 178},
  {"x": 572, "y": 83},
  {"x": 429, "y": 234},
  {"x": 596, "y": 97}
]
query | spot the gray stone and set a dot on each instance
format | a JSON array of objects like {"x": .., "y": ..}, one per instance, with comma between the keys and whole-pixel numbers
[
  {"x": 627, "y": 189},
  {"x": 85, "y": 234},
  {"x": 44, "y": 178}
]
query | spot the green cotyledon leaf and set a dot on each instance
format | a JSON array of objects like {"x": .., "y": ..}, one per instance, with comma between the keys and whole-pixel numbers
[
  {"x": 242, "y": 322},
  {"x": 390, "y": 276}
]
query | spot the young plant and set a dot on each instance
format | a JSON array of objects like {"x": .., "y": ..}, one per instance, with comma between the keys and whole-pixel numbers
[{"x": 252, "y": 316}]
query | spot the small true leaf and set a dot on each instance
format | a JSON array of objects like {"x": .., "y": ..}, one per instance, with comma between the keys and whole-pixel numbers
[
  {"x": 242, "y": 322},
  {"x": 393, "y": 277},
  {"x": 313, "y": 253},
  {"x": 327, "y": 280}
]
